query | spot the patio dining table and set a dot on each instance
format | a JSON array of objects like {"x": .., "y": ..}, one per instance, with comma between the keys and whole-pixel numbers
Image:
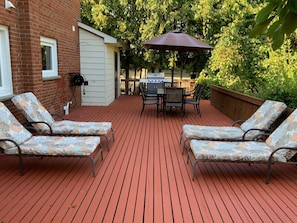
[{"x": 162, "y": 91}]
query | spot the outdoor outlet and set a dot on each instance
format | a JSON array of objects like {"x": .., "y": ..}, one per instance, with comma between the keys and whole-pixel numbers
[{"x": 86, "y": 82}]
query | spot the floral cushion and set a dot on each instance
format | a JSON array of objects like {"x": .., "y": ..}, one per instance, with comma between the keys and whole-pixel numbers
[
  {"x": 10, "y": 128},
  {"x": 81, "y": 128},
  {"x": 212, "y": 132},
  {"x": 58, "y": 146},
  {"x": 233, "y": 151},
  {"x": 263, "y": 118},
  {"x": 32, "y": 109},
  {"x": 285, "y": 136}
]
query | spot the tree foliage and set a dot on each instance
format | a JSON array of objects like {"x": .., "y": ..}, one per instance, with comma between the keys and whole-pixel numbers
[
  {"x": 234, "y": 61},
  {"x": 276, "y": 19}
]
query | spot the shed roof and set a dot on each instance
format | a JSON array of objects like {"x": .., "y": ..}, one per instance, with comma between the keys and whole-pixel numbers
[{"x": 107, "y": 38}]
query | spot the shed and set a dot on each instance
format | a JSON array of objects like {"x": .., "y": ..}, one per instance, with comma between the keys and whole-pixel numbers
[{"x": 99, "y": 65}]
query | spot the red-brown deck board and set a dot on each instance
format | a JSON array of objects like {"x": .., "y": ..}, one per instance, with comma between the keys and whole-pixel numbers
[{"x": 144, "y": 177}]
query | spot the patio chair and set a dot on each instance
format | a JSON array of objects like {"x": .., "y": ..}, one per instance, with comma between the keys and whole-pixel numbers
[
  {"x": 279, "y": 147},
  {"x": 44, "y": 123},
  {"x": 16, "y": 140},
  {"x": 148, "y": 92},
  {"x": 261, "y": 121},
  {"x": 173, "y": 98},
  {"x": 148, "y": 99},
  {"x": 196, "y": 98}
]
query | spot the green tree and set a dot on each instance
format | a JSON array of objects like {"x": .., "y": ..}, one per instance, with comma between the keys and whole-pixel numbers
[
  {"x": 279, "y": 75},
  {"x": 277, "y": 19},
  {"x": 234, "y": 61}
]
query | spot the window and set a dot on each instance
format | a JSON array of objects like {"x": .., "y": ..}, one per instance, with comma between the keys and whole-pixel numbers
[
  {"x": 5, "y": 64},
  {"x": 49, "y": 57}
]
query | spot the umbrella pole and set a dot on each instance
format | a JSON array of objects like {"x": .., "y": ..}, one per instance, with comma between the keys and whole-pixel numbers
[
  {"x": 181, "y": 75},
  {"x": 172, "y": 76}
]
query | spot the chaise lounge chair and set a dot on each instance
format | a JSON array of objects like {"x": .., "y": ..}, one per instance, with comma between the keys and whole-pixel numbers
[
  {"x": 279, "y": 147},
  {"x": 17, "y": 140},
  {"x": 260, "y": 122},
  {"x": 44, "y": 123}
]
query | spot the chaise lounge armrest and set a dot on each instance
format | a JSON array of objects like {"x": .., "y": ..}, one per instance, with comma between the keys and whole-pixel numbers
[
  {"x": 261, "y": 135},
  {"x": 270, "y": 160},
  {"x": 266, "y": 133},
  {"x": 28, "y": 125}
]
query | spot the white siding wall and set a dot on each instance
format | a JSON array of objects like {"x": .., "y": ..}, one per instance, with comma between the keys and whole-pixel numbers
[{"x": 96, "y": 70}]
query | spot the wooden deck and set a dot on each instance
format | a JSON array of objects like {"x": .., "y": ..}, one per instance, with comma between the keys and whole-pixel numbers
[{"x": 145, "y": 178}]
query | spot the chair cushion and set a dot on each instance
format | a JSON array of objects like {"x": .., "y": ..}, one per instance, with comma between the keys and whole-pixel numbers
[
  {"x": 67, "y": 127},
  {"x": 233, "y": 151},
  {"x": 32, "y": 109},
  {"x": 265, "y": 116},
  {"x": 285, "y": 136},
  {"x": 11, "y": 128},
  {"x": 212, "y": 132},
  {"x": 58, "y": 146}
]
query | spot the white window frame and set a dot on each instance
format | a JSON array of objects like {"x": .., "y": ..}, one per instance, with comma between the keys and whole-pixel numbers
[
  {"x": 52, "y": 43},
  {"x": 5, "y": 63}
]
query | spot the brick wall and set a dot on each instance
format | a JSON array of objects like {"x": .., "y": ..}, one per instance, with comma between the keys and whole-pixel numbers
[{"x": 54, "y": 19}]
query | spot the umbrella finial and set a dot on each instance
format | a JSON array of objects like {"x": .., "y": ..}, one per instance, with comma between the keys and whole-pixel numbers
[{"x": 178, "y": 25}]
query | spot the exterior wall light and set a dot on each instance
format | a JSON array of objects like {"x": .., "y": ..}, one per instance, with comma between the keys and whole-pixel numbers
[{"x": 9, "y": 5}]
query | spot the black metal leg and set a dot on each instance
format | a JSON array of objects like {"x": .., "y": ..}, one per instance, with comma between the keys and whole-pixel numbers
[
  {"x": 21, "y": 165},
  {"x": 268, "y": 171},
  {"x": 142, "y": 109}
]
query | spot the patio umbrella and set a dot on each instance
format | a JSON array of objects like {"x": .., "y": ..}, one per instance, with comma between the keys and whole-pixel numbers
[{"x": 177, "y": 41}]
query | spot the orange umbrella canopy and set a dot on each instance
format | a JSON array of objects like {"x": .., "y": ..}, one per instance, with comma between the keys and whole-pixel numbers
[{"x": 177, "y": 41}]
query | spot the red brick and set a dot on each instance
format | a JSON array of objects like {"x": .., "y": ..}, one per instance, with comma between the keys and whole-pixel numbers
[{"x": 27, "y": 22}]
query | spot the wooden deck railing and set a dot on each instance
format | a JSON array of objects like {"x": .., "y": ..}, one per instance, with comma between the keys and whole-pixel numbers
[{"x": 238, "y": 106}]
